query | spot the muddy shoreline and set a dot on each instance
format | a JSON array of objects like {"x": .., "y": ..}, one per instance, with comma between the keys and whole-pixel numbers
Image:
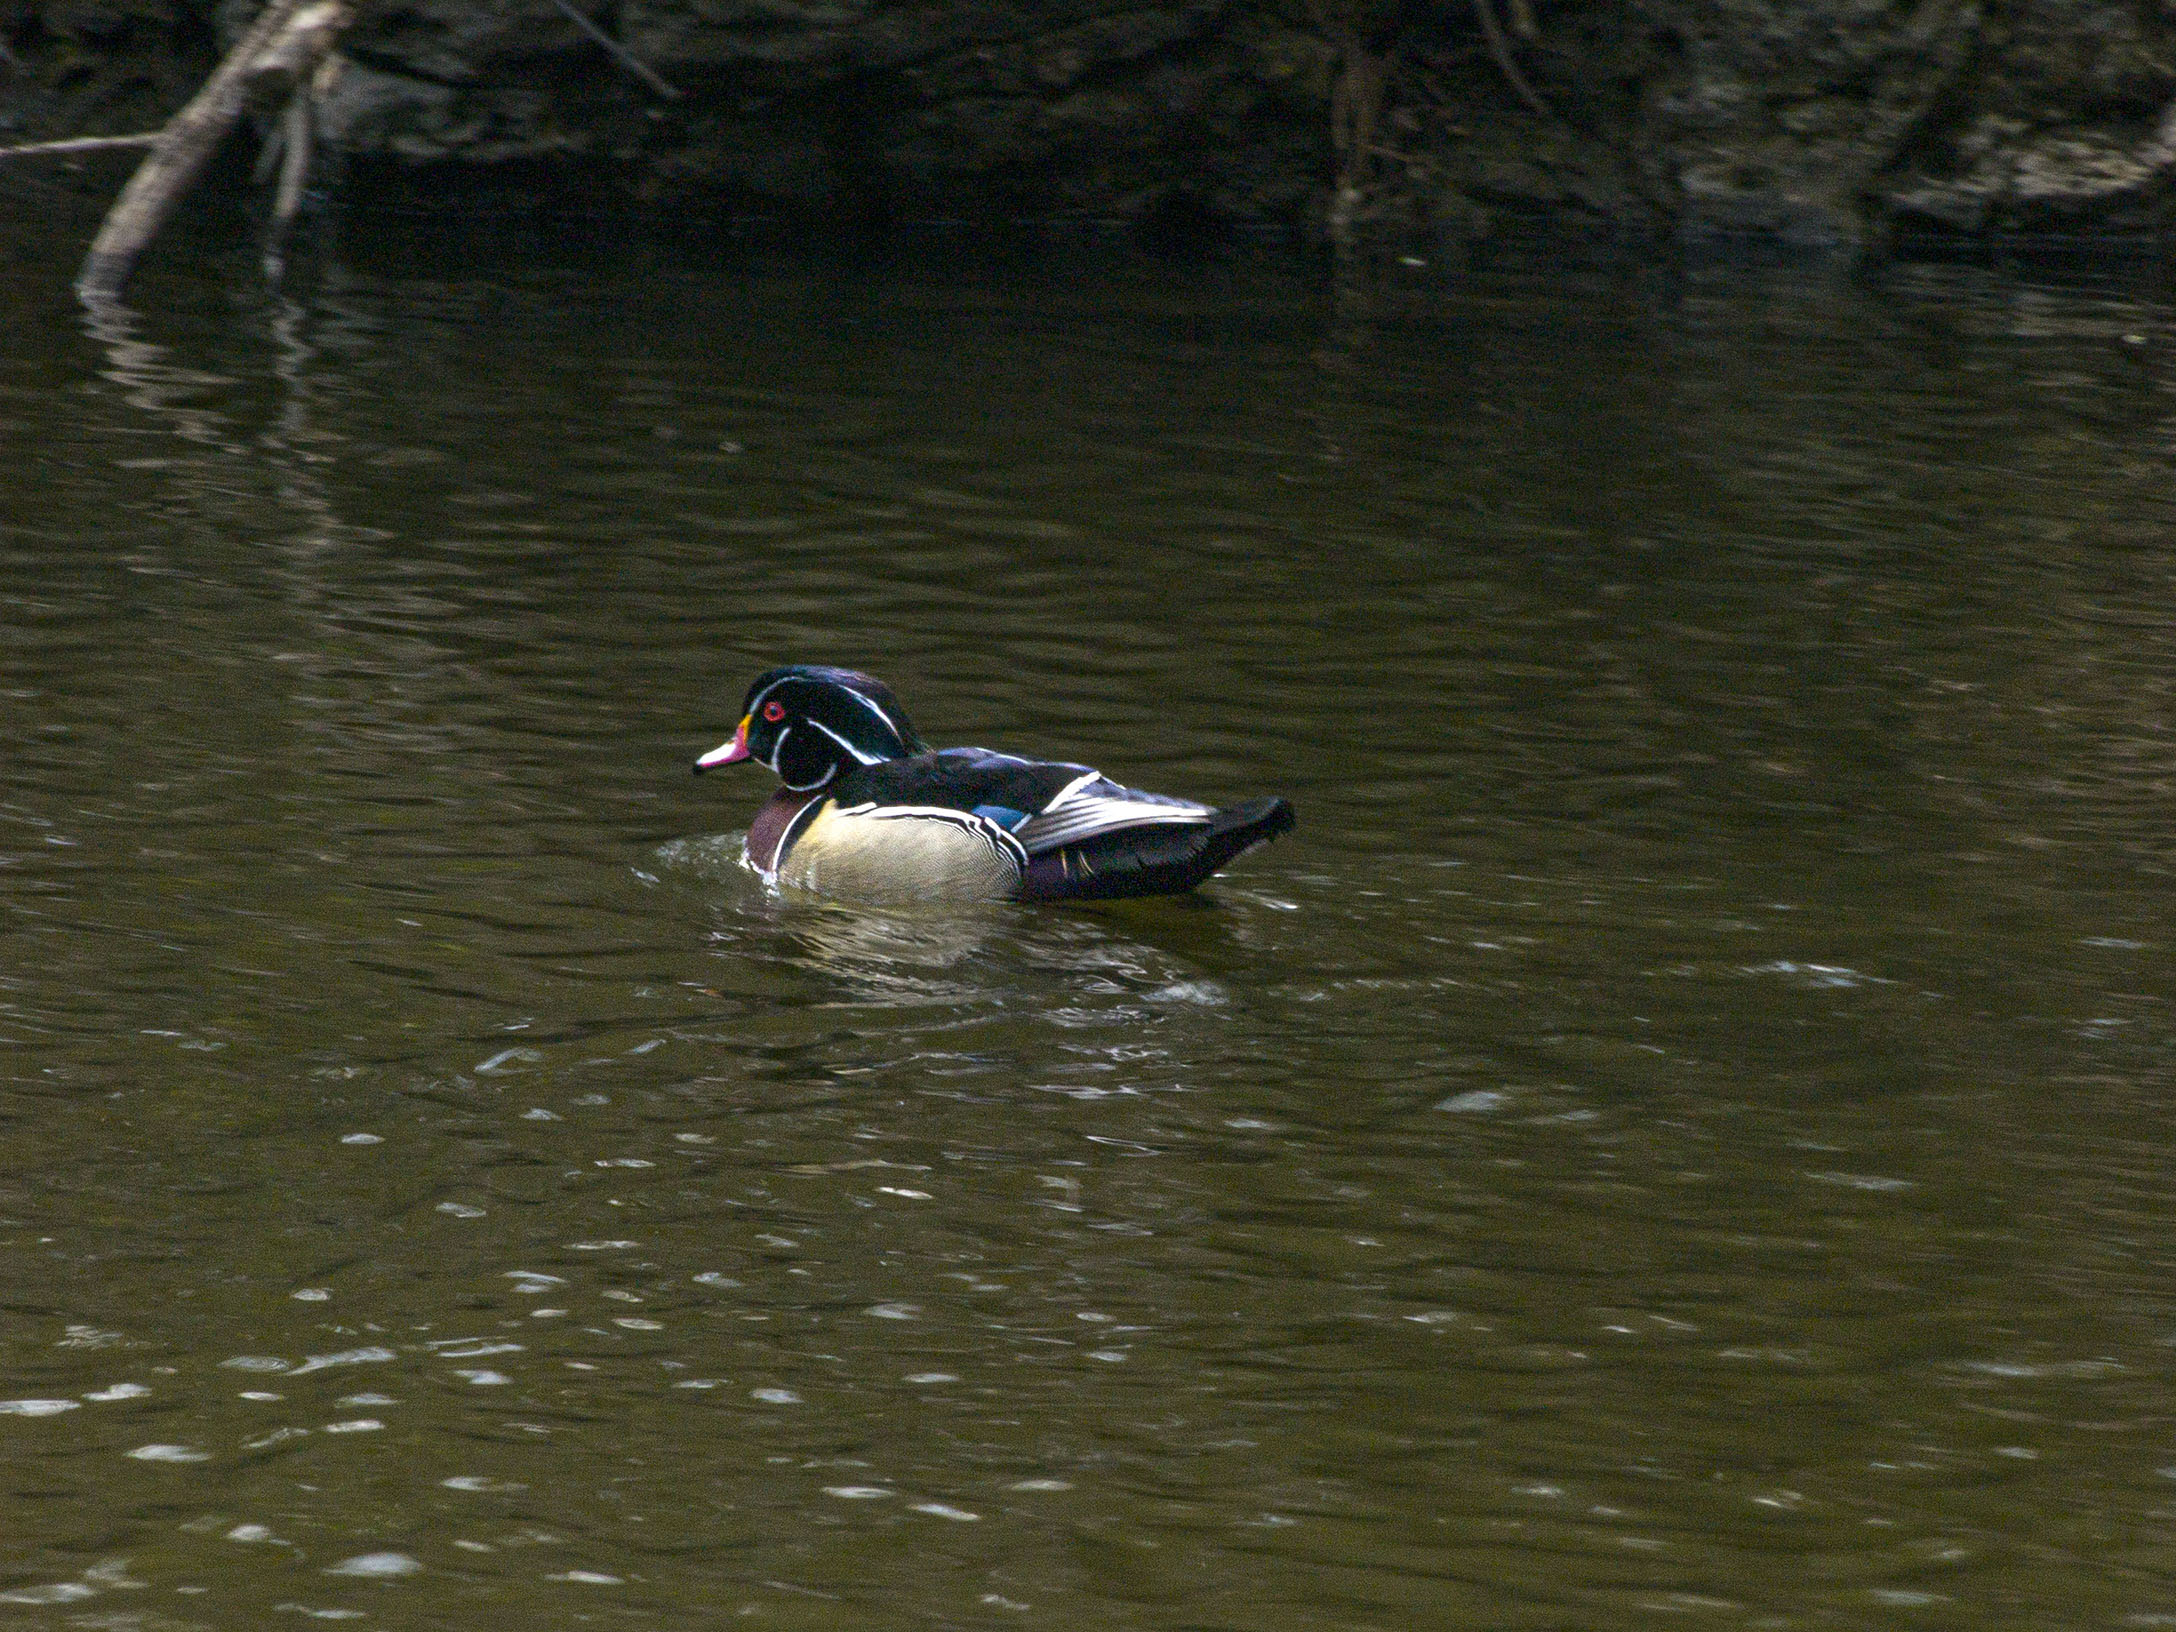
[{"x": 1830, "y": 125}]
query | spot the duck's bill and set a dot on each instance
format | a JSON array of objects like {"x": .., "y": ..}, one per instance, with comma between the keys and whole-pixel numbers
[{"x": 728, "y": 753}]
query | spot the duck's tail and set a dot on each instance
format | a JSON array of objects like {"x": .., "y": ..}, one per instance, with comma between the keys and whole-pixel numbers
[{"x": 1165, "y": 858}]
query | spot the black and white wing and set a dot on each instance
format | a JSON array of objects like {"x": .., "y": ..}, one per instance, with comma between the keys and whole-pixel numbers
[
  {"x": 1043, "y": 804},
  {"x": 1092, "y": 804}
]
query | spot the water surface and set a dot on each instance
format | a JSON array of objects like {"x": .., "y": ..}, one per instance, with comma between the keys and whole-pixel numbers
[{"x": 1677, "y": 1136}]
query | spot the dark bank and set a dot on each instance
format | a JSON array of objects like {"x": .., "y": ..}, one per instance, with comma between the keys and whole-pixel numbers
[{"x": 1833, "y": 126}]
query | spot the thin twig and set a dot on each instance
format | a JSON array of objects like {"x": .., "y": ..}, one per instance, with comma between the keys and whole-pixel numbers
[
  {"x": 1356, "y": 103},
  {"x": 79, "y": 144},
  {"x": 1499, "y": 50},
  {"x": 620, "y": 54},
  {"x": 268, "y": 153},
  {"x": 295, "y": 162}
]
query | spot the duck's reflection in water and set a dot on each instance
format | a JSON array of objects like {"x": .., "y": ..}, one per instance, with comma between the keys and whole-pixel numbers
[
  {"x": 966, "y": 954},
  {"x": 1049, "y": 959},
  {"x": 893, "y": 954}
]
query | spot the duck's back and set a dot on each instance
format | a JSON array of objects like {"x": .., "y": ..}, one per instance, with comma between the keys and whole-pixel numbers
[
  {"x": 1043, "y": 803},
  {"x": 1007, "y": 789}
]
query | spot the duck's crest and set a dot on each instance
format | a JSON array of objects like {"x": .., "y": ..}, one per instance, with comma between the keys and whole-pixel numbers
[{"x": 874, "y": 696}]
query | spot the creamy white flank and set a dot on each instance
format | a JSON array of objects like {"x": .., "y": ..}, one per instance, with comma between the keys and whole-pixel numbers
[{"x": 902, "y": 853}]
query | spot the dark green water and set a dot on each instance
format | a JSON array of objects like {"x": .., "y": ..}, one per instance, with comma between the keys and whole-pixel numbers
[{"x": 1680, "y": 1136}]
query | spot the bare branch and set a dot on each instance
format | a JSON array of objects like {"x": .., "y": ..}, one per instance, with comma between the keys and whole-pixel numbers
[
  {"x": 1499, "y": 50},
  {"x": 620, "y": 54},
  {"x": 79, "y": 144},
  {"x": 276, "y": 73}
]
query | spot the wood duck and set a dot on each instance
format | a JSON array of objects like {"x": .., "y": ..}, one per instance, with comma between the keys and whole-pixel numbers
[{"x": 871, "y": 810}]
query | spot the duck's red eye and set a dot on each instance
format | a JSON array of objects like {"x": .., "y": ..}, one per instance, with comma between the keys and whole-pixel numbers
[{"x": 774, "y": 712}]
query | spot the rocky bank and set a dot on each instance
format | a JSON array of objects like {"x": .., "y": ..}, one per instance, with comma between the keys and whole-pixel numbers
[{"x": 1826, "y": 122}]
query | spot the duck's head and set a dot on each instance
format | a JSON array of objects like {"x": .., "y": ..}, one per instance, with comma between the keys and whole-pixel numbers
[{"x": 811, "y": 724}]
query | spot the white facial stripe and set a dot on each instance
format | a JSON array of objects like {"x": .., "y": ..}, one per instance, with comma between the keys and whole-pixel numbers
[
  {"x": 866, "y": 759},
  {"x": 871, "y": 705},
  {"x": 778, "y": 748}
]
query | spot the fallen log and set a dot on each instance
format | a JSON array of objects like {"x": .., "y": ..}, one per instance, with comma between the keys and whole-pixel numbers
[{"x": 190, "y": 138}]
